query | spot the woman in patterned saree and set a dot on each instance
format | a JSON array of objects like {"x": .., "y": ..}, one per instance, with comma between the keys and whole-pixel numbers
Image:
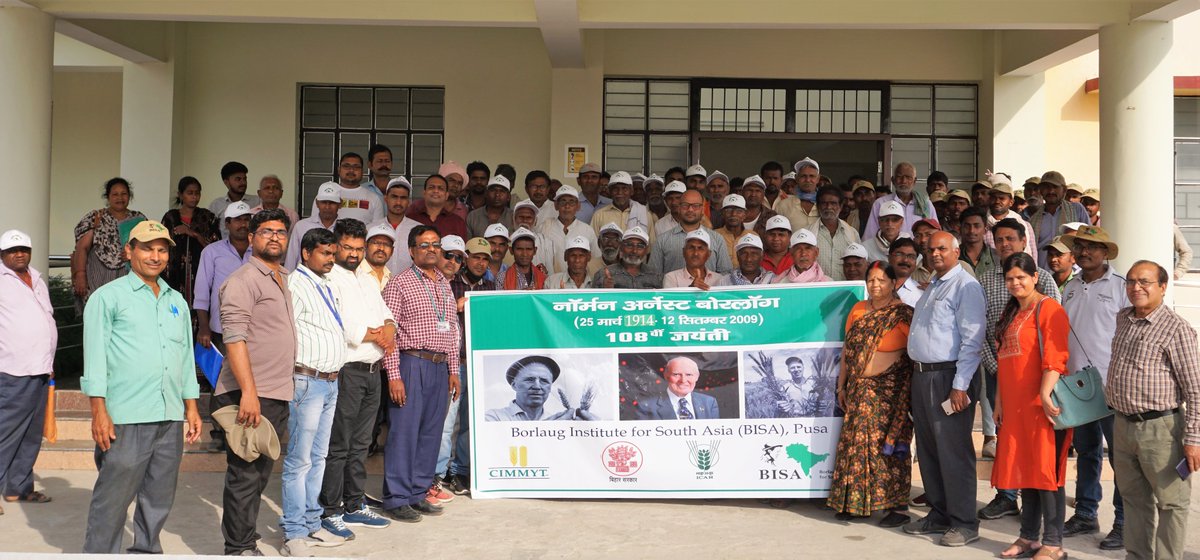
[
  {"x": 99, "y": 257},
  {"x": 873, "y": 470}
]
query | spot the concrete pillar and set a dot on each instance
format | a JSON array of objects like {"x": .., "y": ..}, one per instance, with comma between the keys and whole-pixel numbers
[
  {"x": 27, "y": 65},
  {"x": 151, "y": 115},
  {"x": 1136, "y": 150}
]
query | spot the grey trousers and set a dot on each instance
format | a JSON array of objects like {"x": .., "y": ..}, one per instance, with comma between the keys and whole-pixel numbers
[
  {"x": 1156, "y": 500},
  {"x": 142, "y": 463},
  {"x": 945, "y": 451},
  {"x": 22, "y": 413},
  {"x": 359, "y": 393}
]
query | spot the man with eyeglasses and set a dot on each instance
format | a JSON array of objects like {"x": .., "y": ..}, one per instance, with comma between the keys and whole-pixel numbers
[
  {"x": 632, "y": 272},
  {"x": 360, "y": 203},
  {"x": 1156, "y": 441},
  {"x": 667, "y": 253},
  {"x": 902, "y": 255},
  {"x": 1093, "y": 298},
  {"x": 422, "y": 371},
  {"x": 326, "y": 206}
]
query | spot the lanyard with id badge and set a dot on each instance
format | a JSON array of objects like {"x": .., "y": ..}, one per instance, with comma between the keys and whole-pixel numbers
[{"x": 443, "y": 325}]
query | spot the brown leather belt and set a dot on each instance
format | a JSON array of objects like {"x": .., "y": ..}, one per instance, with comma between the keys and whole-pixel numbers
[
  {"x": 435, "y": 357},
  {"x": 327, "y": 376}
]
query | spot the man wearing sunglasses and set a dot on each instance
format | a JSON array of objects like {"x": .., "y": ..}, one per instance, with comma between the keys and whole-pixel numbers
[{"x": 631, "y": 272}]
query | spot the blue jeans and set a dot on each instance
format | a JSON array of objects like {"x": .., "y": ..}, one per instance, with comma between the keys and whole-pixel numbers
[
  {"x": 456, "y": 433},
  {"x": 1089, "y": 450},
  {"x": 309, "y": 424}
]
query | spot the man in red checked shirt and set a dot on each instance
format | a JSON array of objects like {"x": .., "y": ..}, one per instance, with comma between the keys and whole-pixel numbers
[{"x": 422, "y": 370}]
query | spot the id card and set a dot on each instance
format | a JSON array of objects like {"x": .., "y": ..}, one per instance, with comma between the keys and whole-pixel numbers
[{"x": 443, "y": 326}]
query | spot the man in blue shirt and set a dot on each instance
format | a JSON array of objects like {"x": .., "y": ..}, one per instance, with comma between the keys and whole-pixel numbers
[{"x": 945, "y": 344}]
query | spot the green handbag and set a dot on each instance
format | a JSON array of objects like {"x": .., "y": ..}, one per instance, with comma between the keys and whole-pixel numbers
[{"x": 1080, "y": 395}]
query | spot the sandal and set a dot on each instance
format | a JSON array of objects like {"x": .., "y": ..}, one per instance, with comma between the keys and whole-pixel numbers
[
  {"x": 34, "y": 497},
  {"x": 1045, "y": 553},
  {"x": 1025, "y": 549}
]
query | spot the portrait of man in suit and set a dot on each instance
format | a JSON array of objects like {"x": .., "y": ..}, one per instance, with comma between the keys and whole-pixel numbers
[{"x": 680, "y": 401}]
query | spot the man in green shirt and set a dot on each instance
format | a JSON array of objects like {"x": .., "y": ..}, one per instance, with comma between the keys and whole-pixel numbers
[{"x": 141, "y": 376}]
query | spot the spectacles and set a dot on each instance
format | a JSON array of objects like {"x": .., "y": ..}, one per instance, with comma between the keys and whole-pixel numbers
[
  {"x": 271, "y": 233},
  {"x": 687, "y": 206},
  {"x": 1140, "y": 282},
  {"x": 350, "y": 166},
  {"x": 427, "y": 245},
  {"x": 633, "y": 245},
  {"x": 452, "y": 257},
  {"x": 905, "y": 256}
]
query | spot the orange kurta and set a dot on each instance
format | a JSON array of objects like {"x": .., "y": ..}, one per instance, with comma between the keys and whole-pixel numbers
[{"x": 1025, "y": 448}]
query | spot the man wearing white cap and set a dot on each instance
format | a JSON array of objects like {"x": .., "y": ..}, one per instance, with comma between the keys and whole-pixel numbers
[
  {"x": 381, "y": 243},
  {"x": 523, "y": 275},
  {"x": 591, "y": 199},
  {"x": 758, "y": 211},
  {"x": 497, "y": 236},
  {"x": 914, "y": 203},
  {"x": 576, "y": 277},
  {"x": 716, "y": 189},
  {"x": 833, "y": 234},
  {"x": 890, "y": 219},
  {"x": 525, "y": 215},
  {"x": 398, "y": 198},
  {"x": 749, "y": 269},
  {"x": 454, "y": 254},
  {"x": 805, "y": 267},
  {"x": 695, "y": 272},
  {"x": 632, "y": 272},
  {"x": 28, "y": 339},
  {"x": 495, "y": 208},
  {"x": 667, "y": 252},
  {"x": 325, "y": 213},
  {"x": 609, "y": 241},
  {"x": 672, "y": 195},
  {"x": 777, "y": 237},
  {"x": 733, "y": 217},
  {"x": 624, "y": 211},
  {"x": 801, "y": 207},
  {"x": 854, "y": 263},
  {"x": 655, "y": 203},
  {"x": 788, "y": 183},
  {"x": 695, "y": 177},
  {"x": 558, "y": 232},
  {"x": 361, "y": 203}
]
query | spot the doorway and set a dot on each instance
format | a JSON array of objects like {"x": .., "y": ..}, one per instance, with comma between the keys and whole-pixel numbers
[{"x": 741, "y": 155}]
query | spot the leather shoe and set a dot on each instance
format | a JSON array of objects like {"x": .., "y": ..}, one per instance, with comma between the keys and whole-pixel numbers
[
  {"x": 405, "y": 514},
  {"x": 1077, "y": 525},
  {"x": 427, "y": 508},
  {"x": 1115, "y": 539}
]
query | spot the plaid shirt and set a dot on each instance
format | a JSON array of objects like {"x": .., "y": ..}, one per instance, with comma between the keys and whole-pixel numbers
[
  {"x": 1155, "y": 366},
  {"x": 412, "y": 299},
  {"x": 997, "y": 296}
]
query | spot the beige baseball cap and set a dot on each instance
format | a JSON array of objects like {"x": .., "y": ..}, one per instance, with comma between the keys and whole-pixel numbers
[{"x": 149, "y": 230}]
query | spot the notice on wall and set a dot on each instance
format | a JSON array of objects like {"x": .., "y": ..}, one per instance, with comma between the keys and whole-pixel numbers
[
  {"x": 667, "y": 393},
  {"x": 576, "y": 156}
]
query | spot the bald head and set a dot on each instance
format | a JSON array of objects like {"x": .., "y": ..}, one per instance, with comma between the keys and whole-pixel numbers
[
  {"x": 681, "y": 374},
  {"x": 691, "y": 208},
  {"x": 943, "y": 251}
]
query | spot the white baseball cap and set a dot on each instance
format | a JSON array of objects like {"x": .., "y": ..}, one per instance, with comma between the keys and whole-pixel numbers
[
  {"x": 636, "y": 177},
  {"x": 754, "y": 180},
  {"x": 620, "y": 178},
  {"x": 790, "y": 176},
  {"x": 454, "y": 243},
  {"x": 638, "y": 232},
  {"x": 579, "y": 242},
  {"x": 500, "y": 180},
  {"x": 675, "y": 187},
  {"x": 697, "y": 170},
  {"x": 240, "y": 208},
  {"x": 716, "y": 175},
  {"x": 806, "y": 162},
  {"x": 1070, "y": 226},
  {"x": 613, "y": 227},
  {"x": 14, "y": 238},
  {"x": 398, "y": 182},
  {"x": 855, "y": 250},
  {"x": 382, "y": 228},
  {"x": 748, "y": 240},
  {"x": 566, "y": 190},
  {"x": 699, "y": 234},
  {"x": 496, "y": 230},
  {"x": 653, "y": 178},
  {"x": 734, "y": 200},
  {"x": 526, "y": 204},
  {"x": 329, "y": 192},
  {"x": 778, "y": 222},
  {"x": 891, "y": 208},
  {"x": 803, "y": 236},
  {"x": 522, "y": 232}
]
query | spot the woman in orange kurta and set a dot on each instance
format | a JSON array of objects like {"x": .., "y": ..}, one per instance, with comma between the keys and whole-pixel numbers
[{"x": 1030, "y": 453}]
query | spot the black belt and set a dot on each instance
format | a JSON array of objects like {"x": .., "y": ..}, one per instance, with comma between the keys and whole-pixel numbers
[
  {"x": 326, "y": 375},
  {"x": 1144, "y": 416},
  {"x": 373, "y": 367},
  {"x": 922, "y": 367},
  {"x": 435, "y": 357}
]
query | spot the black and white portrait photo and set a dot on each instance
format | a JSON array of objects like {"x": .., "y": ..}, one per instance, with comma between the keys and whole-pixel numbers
[{"x": 549, "y": 386}]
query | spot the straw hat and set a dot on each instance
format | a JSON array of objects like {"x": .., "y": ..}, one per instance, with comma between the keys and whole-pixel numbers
[{"x": 1095, "y": 234}]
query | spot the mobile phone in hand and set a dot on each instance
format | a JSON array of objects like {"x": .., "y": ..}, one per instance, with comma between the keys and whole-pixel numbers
[
  {"x": 948, "y": 406},
  {"x": 1183, "y": 469}
]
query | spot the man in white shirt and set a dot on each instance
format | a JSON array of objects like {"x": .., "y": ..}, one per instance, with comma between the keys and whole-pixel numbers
[
  {"x": 397, "y": 198},
  {"x": 557, "y": 232},
  {"x": 326, "y": 207},
  {"x": 903, "y": 255},
  {"x": 576, "y": 277},
  {"x": 356, "y": 201},
  {"x": 370, "y": 333},
  {"x": 233, "y": 174},
  {"x": 537, "y": 188},
  {"x": 525, "y": 215},
  {"x": 624, "y": 211},
  {"x": 914, "y": 203},
  {"x": 695, "y": 272},
  {"x": 672, "y": 196}
]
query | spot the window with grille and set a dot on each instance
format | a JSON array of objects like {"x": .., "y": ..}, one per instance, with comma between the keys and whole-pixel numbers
[
  {"x": 934, "y": 126},
  {"x": 646, "y": 125},
  {"x": 1187, "y": 171},
  {"x": 839, "y": 111},
  {"x": 743, "y": 109},
  {"x": 339, "y": 119}
]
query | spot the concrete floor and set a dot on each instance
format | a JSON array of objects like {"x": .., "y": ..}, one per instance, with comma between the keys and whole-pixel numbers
[{"x": 537, "y": 529}]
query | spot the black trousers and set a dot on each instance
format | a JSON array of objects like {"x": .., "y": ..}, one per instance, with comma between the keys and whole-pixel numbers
[
  {"x": 945, "y": 451},
  {"x": 246, "y": 480},
  {"x": 359, "y": 394},
  {"x": 1045, "y": 511}
]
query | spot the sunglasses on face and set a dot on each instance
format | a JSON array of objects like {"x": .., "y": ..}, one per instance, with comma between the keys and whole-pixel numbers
[{"x": 453, "y": 257}]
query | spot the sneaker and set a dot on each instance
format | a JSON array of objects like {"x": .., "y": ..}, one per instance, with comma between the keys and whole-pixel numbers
[
  {"x": 364, "y": 517},
  {"x": 1000, "y": 506},
  {"x": 336, "y": 525},
  {"x": 460, "y": 485},
  {"x": 440, "y": 494},
  {"x": 959, "y": 537},
  {"x": 1077, "y": 525},
  {"x": 989, "y": 447},
  {"x": 405, "y": 514},
  {"x": 894, "y": 519},
  {"x": 1115, "y": 539},
  {"x": 324, "y": 538},
  {"x": 925, "y": 526},
  {"x": 296, "y": 548},
  {"x": 428, "y": 508}
]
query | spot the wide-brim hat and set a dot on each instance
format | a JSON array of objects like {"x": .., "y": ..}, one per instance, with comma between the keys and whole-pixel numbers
[
  {"x": 1095, "y": 234},
  {"x": 247, "y": 442}
]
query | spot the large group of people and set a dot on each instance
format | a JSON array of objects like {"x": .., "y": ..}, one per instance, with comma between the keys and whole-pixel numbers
[{"x": 334, "y": 324}]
